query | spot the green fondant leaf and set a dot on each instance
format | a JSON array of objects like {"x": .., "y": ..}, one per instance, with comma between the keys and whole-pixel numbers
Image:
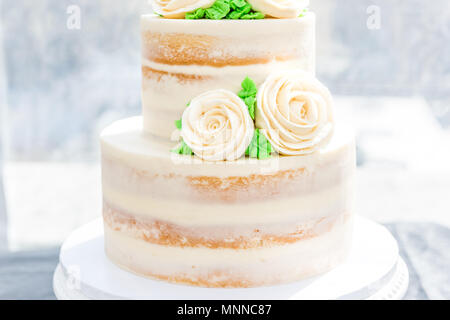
[
  {"x": 269, "y": 148},
  {"x": 238, "y": 12},
  {"x": 178, "y": 124},
  {"x": 305, "y": 11},
  {"x": 245, "y": 9},
  {"x": 226, "y": 9},
  {"x": 219, "y": 10},
  {"x": 260, "y": 147},
  {"x": 251, "y": 104},
  {"x": 253, "y": 15},
  {"x": 248, "y": 94},
  {"x": 252, "y": 150},
  {"x": 234, "y": 15},
  {"x": 186, "y": 150},
  {"x": 248, "y": 88},
  {"x": 183, "y": 149},
  {"x": 197, "y": 14},
  {"x": 177, "y": 149},
  {"x": 237, "y": 4}
]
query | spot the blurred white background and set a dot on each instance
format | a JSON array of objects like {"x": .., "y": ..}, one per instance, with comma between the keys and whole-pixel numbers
[{"x": 60, "y": 87}]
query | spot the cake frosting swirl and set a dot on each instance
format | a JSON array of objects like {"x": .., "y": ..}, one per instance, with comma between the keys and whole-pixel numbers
[
  {"x": 217, "y": 126},
  {"x": 178, "y": 8},
  {"x": 295, "y": 112},
  {"x": 280, "y": 8}
]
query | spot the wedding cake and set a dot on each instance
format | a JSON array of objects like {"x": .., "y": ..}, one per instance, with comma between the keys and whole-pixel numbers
[{"x": 238, "y": 173}]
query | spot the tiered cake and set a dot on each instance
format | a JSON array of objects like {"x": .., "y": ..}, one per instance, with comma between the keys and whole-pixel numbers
[{"x": 257, "y": 189}]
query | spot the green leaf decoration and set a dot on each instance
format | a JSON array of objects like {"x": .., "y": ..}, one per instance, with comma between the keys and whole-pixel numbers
[
  {"x": 252, "y": 150},
  {"x": 238, "y": 12},
  {"x": 245, "y": 9},
  {"x": 304, "y": 12},
  {"x": 248, "y": 88},
  {"x": 253, "y": 16},
  {"x": 260, "y": 148},
  {"x": 263, "y": 149},
  {"x": 269, "y": 148},
  {"x": 238, "y": 4},
  {"x": 183, "y": 149},
  {"x": 219, "y": 10},
  {"x": 197, "y": 14},
  {"x": 234, "y": 15},
  {"x": 226, "y": 9},
  {"x": 251, "y": 104},
  {"x": 178, "y": 124},
  {"x": 248, "y": 94}
]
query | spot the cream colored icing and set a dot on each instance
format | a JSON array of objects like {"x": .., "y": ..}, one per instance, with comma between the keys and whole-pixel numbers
[
  {"x": 296, "y": 112},
  {"x": 143, "y": 178},
  {"x": 280, "y": 8},
  {"x": 259, "y": 266},
  {"x": 232, "y": 29},
  {"x": 291, "y": 39},
  {"x": 224, "y": 256},
  {"x": 125, "y": 141},
  {"x": 179, "y": 8},
  {"x": 142, "y": 226},
  {"x": 217, "y": 126},
  {"x": 322, "y": 204}
]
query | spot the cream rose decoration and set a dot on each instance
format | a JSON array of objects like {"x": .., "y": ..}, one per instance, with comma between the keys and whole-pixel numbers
[
  {"x": 280, "y": 8},
  {"x": 295, "y": 112},
  {"x": 178, "y": 8},
  {"x": 217, "y": 126}
]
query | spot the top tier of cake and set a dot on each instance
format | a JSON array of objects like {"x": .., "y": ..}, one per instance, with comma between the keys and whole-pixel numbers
[{"x": 183, "y": 58}]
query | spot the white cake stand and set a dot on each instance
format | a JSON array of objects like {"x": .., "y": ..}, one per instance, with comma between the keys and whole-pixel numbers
[{"x": 373, "y": 270}]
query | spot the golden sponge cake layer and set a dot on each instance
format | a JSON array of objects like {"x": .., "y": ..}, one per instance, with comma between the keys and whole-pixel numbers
[{"x": 183, "y": 58}]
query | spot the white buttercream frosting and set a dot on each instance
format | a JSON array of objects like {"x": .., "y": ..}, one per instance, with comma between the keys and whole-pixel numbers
[
  {"x": 280, "y": 8},
  {"x": 217, "y": 126},
  {"x": 178, "y": 8},
  {"x": 136, "y": 168},
  {"x": 295, "y": 112},
  {"x": 276, "y": 45},
  {"x": 259, "y": 267}
]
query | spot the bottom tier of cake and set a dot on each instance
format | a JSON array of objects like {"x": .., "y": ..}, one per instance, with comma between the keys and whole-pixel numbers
[{"x": 246, "y": 223}]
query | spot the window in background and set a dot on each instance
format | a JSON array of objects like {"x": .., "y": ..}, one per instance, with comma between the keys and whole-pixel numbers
[
  {"x": 3, "y": 221},
  {"x": 64, "y": 86},
  {"x": 394, "y": 83}
]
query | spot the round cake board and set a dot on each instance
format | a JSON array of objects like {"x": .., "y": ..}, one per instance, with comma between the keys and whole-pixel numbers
[{"x": 373, "y": 270}]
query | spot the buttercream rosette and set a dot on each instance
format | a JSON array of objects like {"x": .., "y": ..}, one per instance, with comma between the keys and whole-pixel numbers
[
  {"x": 280, "y": 8},
  {"x": 295, "y": 112},
  {"x": 177, "y": 9},
  {"x": 217, "y": 126}
]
